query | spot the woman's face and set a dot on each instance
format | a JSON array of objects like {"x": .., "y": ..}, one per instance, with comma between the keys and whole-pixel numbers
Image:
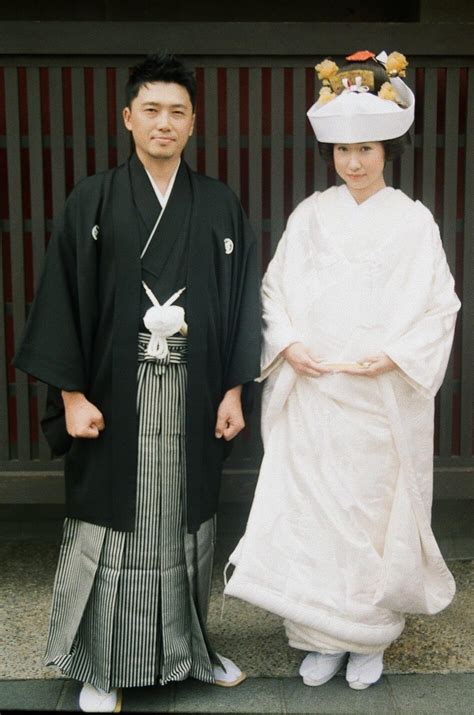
[{"x": 360, "y": 166}]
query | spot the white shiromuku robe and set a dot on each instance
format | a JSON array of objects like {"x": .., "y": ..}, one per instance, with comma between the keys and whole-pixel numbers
[{"x": 338, "y": 540}]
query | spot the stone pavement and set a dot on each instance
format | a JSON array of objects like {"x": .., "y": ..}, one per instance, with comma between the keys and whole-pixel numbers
[{"x": 451, "y": 694}]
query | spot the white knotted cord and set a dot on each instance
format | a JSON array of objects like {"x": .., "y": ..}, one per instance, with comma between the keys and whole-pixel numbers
[
  {"x": 150, "y": 294},
  {"x": 158, "y": 345}
]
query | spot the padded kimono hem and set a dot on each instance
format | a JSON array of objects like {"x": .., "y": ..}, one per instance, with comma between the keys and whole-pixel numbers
[{"x": 365, "y": 635}]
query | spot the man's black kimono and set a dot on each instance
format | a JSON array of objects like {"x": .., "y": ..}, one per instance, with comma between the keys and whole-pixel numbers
[{"x": 81, "y": 333}]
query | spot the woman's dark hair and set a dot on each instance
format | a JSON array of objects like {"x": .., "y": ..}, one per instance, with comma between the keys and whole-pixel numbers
[
  {"x": 161, "y": 67},
  {"x": 393, "y": 148}
]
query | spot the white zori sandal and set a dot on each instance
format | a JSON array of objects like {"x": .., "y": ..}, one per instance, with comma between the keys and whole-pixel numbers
[
  {"x": 364, "y": 670},
  {"x": 96, "y": 700},
  {"x": 318, "y": 668},
  {"x": 229, "y": 675}
]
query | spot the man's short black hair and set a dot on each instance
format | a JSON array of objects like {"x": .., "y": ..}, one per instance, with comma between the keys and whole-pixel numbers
[
  {"x": 393, "y": 148},
  {"x": 160, "y": 67}
]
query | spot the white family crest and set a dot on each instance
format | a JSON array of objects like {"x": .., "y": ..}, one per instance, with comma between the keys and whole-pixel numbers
[
  {"x": 228, "y": 245},
  {"x": 95, "y": 232}
]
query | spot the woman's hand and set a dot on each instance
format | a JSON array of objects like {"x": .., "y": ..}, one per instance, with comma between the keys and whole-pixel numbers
[
  {"x": 372, "y": 366},
  {"x": 302, "y": 362}
]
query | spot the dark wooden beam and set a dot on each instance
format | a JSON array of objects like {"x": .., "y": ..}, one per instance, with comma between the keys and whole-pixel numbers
[{"x": 311, "y": 39}]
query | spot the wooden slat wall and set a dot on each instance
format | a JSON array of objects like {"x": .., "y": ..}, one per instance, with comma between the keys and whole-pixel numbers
[
  {"x": 64, "y": 122},
  {"x": 298, "y": 131},
  {"x": 38, "y": 226},
  {"x": 4, "y": 415},
  {"x": 19, "y": 408},
  {"x": 448, "y": 232},
  {"x": 467, "y": 355}
]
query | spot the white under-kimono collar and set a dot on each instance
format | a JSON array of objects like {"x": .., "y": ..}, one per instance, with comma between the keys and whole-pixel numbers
[
  {"x": 372, "y": 201},
  {"x": 163, "y": 198}
]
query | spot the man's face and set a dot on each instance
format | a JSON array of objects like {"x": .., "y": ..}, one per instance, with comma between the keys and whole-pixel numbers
[{"x": 161, "y": 120}]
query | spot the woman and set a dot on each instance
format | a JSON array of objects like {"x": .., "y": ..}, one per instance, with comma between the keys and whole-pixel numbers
[{"x": 359, "y": 314}]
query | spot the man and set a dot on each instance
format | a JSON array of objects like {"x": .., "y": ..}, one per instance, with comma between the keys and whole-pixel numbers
[{"x": 145, "y": 326}]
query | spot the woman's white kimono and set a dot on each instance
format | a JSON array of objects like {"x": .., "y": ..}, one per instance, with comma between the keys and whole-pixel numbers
[{"x": 338, "y": 541}]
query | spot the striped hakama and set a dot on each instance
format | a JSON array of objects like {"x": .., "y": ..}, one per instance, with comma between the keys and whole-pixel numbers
[{"x": 129, "y": 608}]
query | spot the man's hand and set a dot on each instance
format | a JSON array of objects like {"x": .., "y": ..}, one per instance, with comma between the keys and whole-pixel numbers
[
  {"x": 230, "y": 420},
  {"x": 375, "y": 365},
  {"x": 302, "y": 362},
  {"x": 83, "y": 419}
]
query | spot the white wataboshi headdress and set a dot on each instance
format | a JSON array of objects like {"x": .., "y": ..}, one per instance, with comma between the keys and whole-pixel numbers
[{"x": 347, "y": 111}]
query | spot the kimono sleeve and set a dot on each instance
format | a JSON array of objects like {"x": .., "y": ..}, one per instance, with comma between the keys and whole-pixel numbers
[
  {"x": 245, "y": 335},
  {"x": 58, "y": 330},
  {"x": 278, "y": 330},
  {"x": 422, "y": 351}
]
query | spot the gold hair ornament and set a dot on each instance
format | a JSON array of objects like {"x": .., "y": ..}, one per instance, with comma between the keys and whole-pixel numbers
[
  {"x": 335, "y": 82},
  {"x": 396, "y": 64}
]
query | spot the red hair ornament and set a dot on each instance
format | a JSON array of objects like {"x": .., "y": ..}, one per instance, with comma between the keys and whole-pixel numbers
[{"x": 361, "y": 56}]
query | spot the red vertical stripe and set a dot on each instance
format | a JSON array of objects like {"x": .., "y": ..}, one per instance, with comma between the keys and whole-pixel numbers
[
  {"x": 288, "y": 142},
  {"x": 67, "y": 100},
  {"x": 461, "y": 238},
  {"x": 440, "y": 145},
  {"x": 200, "y": 120},
  {"x": 7, "y": 267},
  {"x": 46, "y": 131},
  {"x": 266, "y": 162},
  {"x": 23, "y": 116},
  {"x": 222, "y": 122},
  {"x": 266, "y": 141},
  {"x": 111, "y": 101},
  {"x": 68, "y": 136},
  {"x": 3, "y": 119},
  {"x": 111, "y": 115},
  {"x": 3, "y": 151},
  {"x": 24, "y": 159},
  {"x": 419, "y": 116},
  {"x": 90, "y": 113},
  {"x": 244, "y": 136},
  {"x": 44, "y": 92},
  {"x": 309, "y": 81}
]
